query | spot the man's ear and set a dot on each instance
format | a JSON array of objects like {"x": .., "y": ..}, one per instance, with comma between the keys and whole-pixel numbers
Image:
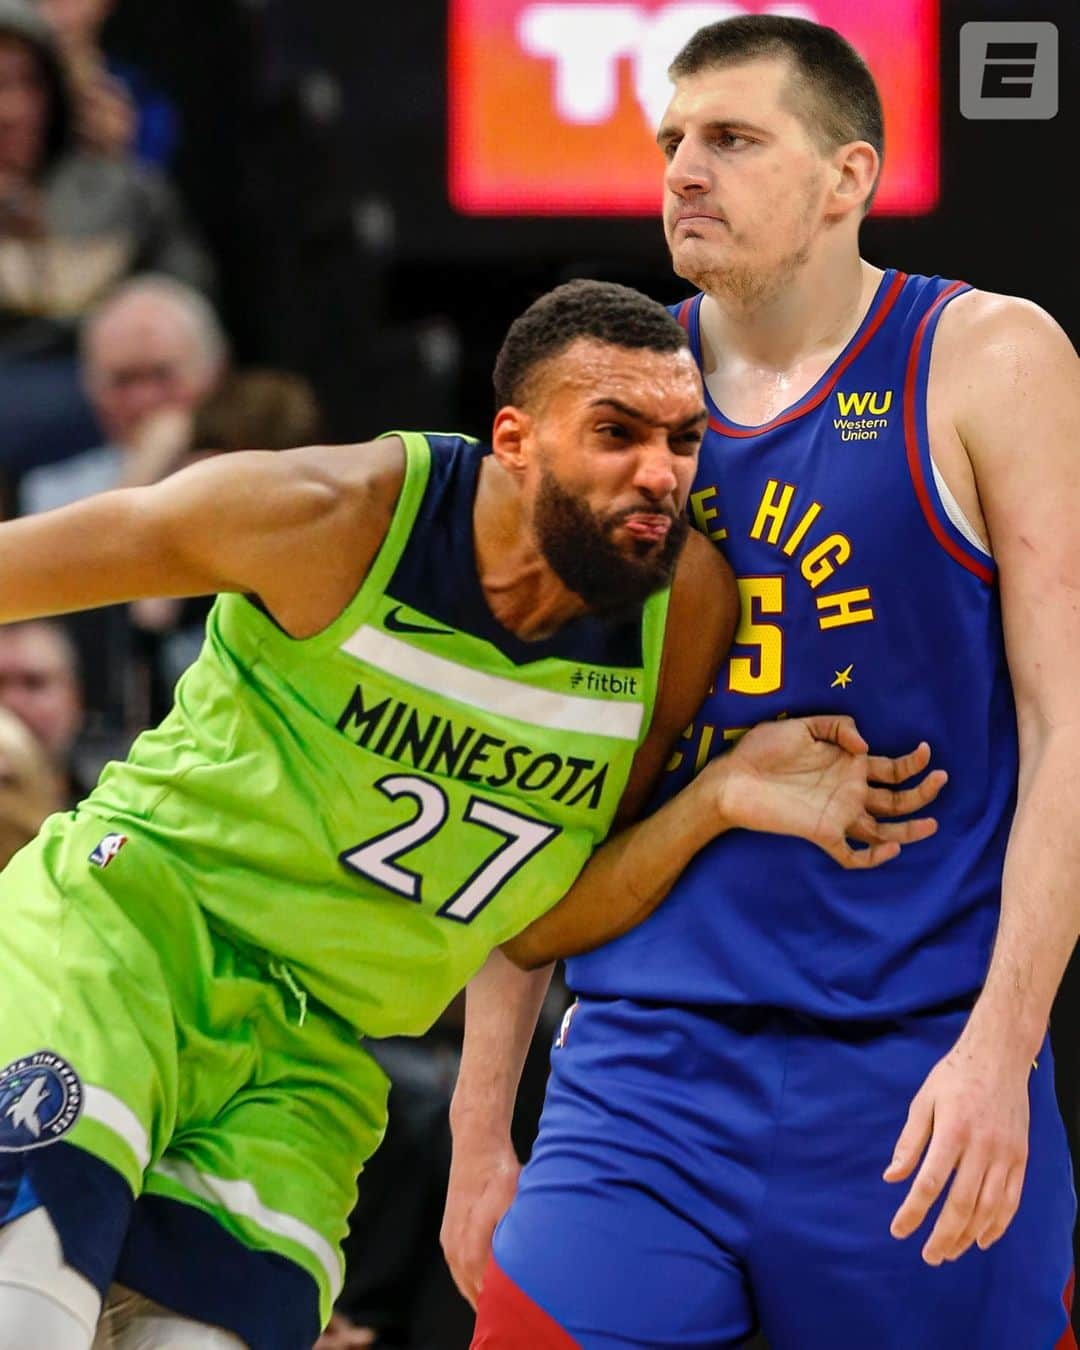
[
  {"x": 855, "y": 172},
  {"x": 509, "y": 436}
]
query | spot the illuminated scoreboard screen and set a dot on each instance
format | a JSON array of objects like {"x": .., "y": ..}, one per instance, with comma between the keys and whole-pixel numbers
[{"x": 554, "y": 103}]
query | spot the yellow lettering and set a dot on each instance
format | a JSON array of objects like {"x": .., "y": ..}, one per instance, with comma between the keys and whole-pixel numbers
[
  {"x": 764, "y": 672},
  {"x": 885, "y": 405},
  {"x": 844, "y": 603},
  {"x": 677, "y": 756},
  {"x": 852, "y": 403},
  {"x": 708, "y": 731},
  {"x": 702, "y": 514},
  {"x": 795, "y": 538},
  {"x": 772, "y": 511},
  {"x": 817, "y": 565}
]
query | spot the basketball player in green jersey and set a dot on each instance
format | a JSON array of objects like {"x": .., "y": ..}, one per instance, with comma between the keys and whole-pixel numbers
[{"x": 432, "y": 675}]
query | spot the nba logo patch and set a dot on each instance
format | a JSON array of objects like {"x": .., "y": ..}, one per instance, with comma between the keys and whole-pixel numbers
[
  {"x": 107, "y": 849},
  {"x": 564, "y": 1027},
  {"x": 40, "y": 1099}
]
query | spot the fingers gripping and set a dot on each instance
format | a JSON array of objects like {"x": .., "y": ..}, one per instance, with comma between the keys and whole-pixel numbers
[{"x": 886, "y": 769}]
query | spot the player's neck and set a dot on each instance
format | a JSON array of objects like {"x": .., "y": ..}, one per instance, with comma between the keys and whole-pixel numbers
[
  {"x": 808, "y": 319},
  {"x": 521, "y": 590}
]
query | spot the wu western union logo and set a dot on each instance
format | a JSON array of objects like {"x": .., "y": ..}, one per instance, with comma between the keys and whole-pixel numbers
[
  {"x": 876, "y": 401},
  {"x": 862, "y": 415}
]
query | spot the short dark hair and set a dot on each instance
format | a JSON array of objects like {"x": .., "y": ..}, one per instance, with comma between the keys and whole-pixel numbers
[
  {"x": 835, "y": 94},
  {"x": 602, "y": 310}
]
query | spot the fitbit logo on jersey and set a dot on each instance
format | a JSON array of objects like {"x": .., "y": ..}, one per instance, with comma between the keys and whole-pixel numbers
[{"x": 604, "y": 682}]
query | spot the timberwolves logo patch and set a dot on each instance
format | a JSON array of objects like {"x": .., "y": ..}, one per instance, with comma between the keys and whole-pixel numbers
[
  {"x": 107, "y": 849},
  {"x": 40, "y": 1100}
]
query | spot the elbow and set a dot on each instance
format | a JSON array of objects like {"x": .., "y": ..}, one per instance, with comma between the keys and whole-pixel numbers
[{"x": 526, "y": 952}]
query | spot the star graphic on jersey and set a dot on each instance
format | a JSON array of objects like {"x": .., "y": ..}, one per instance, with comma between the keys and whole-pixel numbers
[{"x": 843, "y": 677}]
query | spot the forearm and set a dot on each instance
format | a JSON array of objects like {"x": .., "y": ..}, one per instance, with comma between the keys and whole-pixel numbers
[
  {"x": 1040, "y": 897},
  {"x": 102, "y": 550},
  {"x": 627, "y": 877},
  {"x": 502, "y": 1004}
]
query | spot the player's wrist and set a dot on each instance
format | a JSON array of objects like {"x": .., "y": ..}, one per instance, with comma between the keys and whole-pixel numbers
[
  {"x": 1004, "y": 1030},
  {"x": 724, "y": 784},
  {"x": 481, "y": 1125}
]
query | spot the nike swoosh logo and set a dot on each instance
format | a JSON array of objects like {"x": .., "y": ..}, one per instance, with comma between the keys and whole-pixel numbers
[{"x": 395, "y": 625}]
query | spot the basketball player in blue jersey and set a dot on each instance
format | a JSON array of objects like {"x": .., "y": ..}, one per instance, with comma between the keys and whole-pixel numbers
[{"x": 817, "y": 1103}]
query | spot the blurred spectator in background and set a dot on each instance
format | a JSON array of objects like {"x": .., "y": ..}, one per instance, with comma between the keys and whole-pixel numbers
[
  {"x": 73, "y": 223},
  {"x": 40, "y": 685},
  {"x": 28, "y": 791},
  {"x": 258, "y": 408},
  {"x": 254, "y": 408},
  {"x": 118, "y": 110},
  {"x": 149, "y": 354}
]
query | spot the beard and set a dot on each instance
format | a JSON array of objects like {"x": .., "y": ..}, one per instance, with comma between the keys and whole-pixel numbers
[
  {"x": 745, "y": 285},
  {"x": 579, "y": 547},
  {"x": 745, "y": 282}
]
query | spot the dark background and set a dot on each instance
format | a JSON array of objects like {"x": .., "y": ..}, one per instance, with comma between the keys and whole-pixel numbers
[{"x": 313, "y": 157}]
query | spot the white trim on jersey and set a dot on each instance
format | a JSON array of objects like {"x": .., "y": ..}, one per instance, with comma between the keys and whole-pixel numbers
[
  {"x": 493, "y": 693},
  {"x": 101, "y": 1105},
  {"x": 241, "y": 1198},
  {"x": 952, "y": 509}
]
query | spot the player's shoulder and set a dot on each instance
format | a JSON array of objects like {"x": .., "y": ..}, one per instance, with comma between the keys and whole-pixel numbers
[
  {"x": 356, "y": 465},
  {"x": 325, "y": 479},
  {"x": 703, "y": 613},
  {"x": 704, "y": 596},
  {"x": 984, "y": 328}
]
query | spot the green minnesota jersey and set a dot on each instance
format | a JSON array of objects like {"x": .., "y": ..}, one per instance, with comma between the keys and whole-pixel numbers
[{"x": 381, "y": 804}]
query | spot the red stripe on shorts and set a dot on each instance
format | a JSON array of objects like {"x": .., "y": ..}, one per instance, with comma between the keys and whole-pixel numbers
[
  {"x": 508, "y": 1319},
  {"x": 1068, "y": 1339}
]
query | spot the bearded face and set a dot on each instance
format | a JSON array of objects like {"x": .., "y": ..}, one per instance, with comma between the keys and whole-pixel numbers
[{"x": 612, "y": 572}]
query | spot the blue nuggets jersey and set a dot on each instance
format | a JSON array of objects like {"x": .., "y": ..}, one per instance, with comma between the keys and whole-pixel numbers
[{"x": 859, "y": 595}]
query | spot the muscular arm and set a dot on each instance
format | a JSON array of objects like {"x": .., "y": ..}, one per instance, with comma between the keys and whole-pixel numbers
[
  {"x": 1016, "y": 395},
  {"x": 627, "y": 877},
  {"x": 1021, "y": 423},
  {"x": 502, "y": 1005},
  {"x": 258, "y": 522}
]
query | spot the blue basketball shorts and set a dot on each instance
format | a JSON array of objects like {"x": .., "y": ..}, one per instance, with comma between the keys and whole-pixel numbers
[{"x": 700, "y": 1174}]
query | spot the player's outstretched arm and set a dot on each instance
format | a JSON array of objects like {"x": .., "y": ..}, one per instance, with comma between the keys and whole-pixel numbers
[
  {"x": 1012, "y": 380},
  {"x": 298, "y": 528},
  {"x": 502, "y": 1005},
  {"x": 808, "y": 777}
]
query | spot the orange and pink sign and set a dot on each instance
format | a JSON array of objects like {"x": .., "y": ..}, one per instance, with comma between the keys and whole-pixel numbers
[{"x": 554, "y": 103}]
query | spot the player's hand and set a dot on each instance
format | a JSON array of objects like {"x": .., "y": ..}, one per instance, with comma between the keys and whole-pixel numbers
[
  {"x": 483, "y": 1181},
  {"x": 343, "y": 1334},
  {"x": 813, "y": 777},
  {"x": 968, "y": 1122}
]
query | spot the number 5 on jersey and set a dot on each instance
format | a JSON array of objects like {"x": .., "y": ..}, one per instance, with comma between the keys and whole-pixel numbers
[
  {"x": 763, "y": 672},
  {"x": 377, "y": 859}
]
